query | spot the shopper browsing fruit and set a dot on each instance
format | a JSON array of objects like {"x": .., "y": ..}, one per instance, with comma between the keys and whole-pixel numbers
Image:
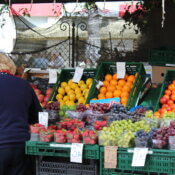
[{"x": 19, "y": 106}]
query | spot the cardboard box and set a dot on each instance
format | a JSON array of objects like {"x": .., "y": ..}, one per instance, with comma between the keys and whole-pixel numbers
[{"x": 159, "y": 72}]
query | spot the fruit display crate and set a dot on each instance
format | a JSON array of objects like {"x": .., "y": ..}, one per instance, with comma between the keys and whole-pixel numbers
[
  {"x": 160, "y": 161},
  {"x": 169, "y": 77},
  {"x": 63, "y": 166},
  {"x": 159, "y": 57},
  {"x": 131, "y": 69},
  {"x": 59, "y": 150},
  {"x": 67, "y": 74}
]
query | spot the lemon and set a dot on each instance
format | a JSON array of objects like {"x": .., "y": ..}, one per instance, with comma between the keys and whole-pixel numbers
[
  {"x": 89, "y": 81},
  {"x": 81, "y": 100},
  {"x": 61, "y": 91},
  {"x": 83, "y": 86},
  {"x": 78, "y": 95},
  {"x": 70, "y": 92},
  {"x": 70, "y": 103},
  {"x": 90, "y": 85},
  {"x": 62, "y": 103},
  {"x": 72, "y": 97},
  {"x": 63, "y": 84},
  {"x": 65, "y": 98},
  {"x": 59, "y": 97},
  {"x": 81, "y": 82},
  {"x": 70, "y": 82},
  {"x": 74, "y": 86},
  {"x": 50, "y": 102},
  {"x": 77, "y": 90},
  {"x": 67, "y": 88},
  {"x": 85, "y": 91}
]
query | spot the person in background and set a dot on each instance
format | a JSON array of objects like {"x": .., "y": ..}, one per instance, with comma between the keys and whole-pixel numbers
[
  {"x": 56, "y": 61},
  {"x": 19, "y": 107}
]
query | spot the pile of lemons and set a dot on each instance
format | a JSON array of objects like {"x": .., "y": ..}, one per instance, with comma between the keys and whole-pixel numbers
[{"x": 70, "y": 93}]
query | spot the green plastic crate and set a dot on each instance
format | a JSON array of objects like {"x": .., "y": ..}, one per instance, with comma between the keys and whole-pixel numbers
[
  {"x": 161, "y": 161},
  {"x": 44, "y": 149},
  {"x": 159, "y": 57},
  {"x": 131, "y": 69},
  {"x": 169, "y": 77},
  {"x": 67, "y": 74}
]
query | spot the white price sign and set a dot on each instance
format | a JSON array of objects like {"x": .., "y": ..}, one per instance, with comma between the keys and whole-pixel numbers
[
  {"x": 43, "y": 118},
  {"x": 76, "y": 154},
  {"x": 78, "y": 74},
  {"x": 52, "y": 76},
  {"x": 139, "y": 157},
  {"x": 121, "y": 69}
]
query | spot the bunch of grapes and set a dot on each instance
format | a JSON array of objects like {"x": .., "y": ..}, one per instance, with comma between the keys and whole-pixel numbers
[
  {"x": 100, "y": 107},
  {"x": 119, "y": 112},
  {"x": 121, "y": 133},
  {"x": 53, "y": 106},
  {"x": 81, "y": 108}
]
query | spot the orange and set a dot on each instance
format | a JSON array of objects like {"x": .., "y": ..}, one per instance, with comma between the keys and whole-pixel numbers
[
  {"x": 129, "y": 83},
  {"x": 126, "y": 76},
  {"x": 124, "y": 100},
  {"x": 124, "y": 94},
  {"x": 168, "y": 92},
  {"x": 108, "y": 77},
  {"x": 126, "y": 88},
  {"x": 113, "y": 82},
  {"x": 101, "y": 96},
  {"x": 121, "y": 82},
  {"x": 105, "y": 83},
  {"x": 119, "y": 87},
  {"x": 103, "y": 90},
  {"x": 109, "y": 94},
  {"x": 111, "y": 88},
  {"x": 114, "y": 76},
  {"x": 94, "y": 99},
  {"x": 131, "y": 78},
  {"x": 173, "y": 82},
  {"x": 173, "y": 97},
  {"x": 117, "y": 93},
  {"x": 171, "y": 87},
  {"x": 157, "y": 114}
]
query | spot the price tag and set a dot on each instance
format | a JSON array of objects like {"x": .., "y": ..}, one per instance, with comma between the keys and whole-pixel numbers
[
  {"x": 43, "y": 118},
  {"x": 121, "y": 69},
  {"x": 139, "y": 157},
  {"x": 100, "y": 83},
  {"x": 110, "y": 157},
  {"x": 52, "y": 76},
  {"x": 78, "y": 74},
  {"x": 76, "y": 154}
]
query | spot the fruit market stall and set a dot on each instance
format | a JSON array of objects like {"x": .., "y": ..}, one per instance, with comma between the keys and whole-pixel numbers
[{"x": 99, "y": 121}]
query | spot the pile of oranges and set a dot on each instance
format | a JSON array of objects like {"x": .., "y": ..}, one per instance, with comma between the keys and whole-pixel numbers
[{"x": 114, "y": 87}]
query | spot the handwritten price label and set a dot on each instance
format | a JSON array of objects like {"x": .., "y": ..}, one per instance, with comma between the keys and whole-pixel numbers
[{"x": 76, "y": 154}]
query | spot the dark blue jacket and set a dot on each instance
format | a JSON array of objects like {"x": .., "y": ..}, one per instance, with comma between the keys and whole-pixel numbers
[{"x": 19, "y": 106}]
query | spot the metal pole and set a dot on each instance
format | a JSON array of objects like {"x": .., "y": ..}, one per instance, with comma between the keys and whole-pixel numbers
[{"x": 73, "y": 44}]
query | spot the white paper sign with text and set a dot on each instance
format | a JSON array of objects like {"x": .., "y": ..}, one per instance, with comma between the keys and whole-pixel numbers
[
  {"x": 139, "y": 157},
  {"x": 43, "y": 118},
  {"x": 121, "y": 69},
  {"x": 78, "y": 74},
  {"x": 52, "y": 76},
  {"x": 76, "y": 154}
]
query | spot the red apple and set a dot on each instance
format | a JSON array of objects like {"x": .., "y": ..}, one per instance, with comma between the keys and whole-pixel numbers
[
  {"x": 41, "y": 98},
  {"x": 49, "y": 91},
  {"x": 46, "y": 98},
  {"x": 37, "y": 91},
  {"x": 163, "y": 100},
  {"x": 44, "y": 104}
]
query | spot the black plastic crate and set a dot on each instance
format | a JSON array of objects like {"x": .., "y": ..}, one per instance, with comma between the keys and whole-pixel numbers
[{"x": 63, "y": 166}]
